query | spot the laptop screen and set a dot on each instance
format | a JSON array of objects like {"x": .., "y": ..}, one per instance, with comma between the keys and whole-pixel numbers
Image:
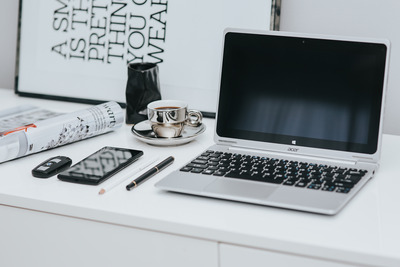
[{"x": 311, "y": 92}]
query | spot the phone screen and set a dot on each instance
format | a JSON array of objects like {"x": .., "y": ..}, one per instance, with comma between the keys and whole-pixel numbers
[{"x": 100, "y": 165}]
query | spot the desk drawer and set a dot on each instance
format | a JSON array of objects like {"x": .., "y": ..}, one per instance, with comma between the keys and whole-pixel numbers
[
  {"x": 30, "y": 238},
  {"x": 236, "y": 256}
]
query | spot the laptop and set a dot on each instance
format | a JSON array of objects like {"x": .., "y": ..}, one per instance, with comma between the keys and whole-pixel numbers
[{"x": 298, "y": 123}]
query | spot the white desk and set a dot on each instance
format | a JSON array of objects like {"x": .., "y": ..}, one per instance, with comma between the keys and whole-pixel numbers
[{"x": 47, "y": 222}]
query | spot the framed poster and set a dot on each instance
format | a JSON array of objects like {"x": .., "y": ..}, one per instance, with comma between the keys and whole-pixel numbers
[{"x": 78, "y": 50}]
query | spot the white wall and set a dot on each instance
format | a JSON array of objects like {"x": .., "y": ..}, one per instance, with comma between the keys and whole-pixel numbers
[
  {"x": 8, "y": 41},
  {"x": 378, "y": 19}
]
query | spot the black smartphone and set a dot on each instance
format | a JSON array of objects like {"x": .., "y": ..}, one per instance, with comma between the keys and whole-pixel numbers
[{"x": 100, "y": 165}]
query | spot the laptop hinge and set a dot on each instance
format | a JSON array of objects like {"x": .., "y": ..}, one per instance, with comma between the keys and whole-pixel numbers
[{"x": 300, "y": 156}]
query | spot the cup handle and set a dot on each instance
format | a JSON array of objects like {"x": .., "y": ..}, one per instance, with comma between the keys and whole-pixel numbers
[{"x": 194, "y": 118}]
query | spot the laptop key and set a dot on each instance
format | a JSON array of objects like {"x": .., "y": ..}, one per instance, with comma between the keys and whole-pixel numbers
[
  {"x": 354, "y": 174},
  {"x": 214, "y": 168},
  {"x": 208, "y": 172},
  {"x": 339, "y": 184},
  {"x": 185, "y": 169},
  {"x": 301, "y": 184},
  {"x": 344, "y": 190},
  {"x": 199, "y": 161},
  {"x": 348, "y": 181},
  {"x": 194, "y": 165},
  {"x": 289, "y": 182}
]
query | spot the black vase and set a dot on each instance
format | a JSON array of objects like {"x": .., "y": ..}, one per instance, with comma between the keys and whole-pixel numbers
[{"x": 143, "y": 87}]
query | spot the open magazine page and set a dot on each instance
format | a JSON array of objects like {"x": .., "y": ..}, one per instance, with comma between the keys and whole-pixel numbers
[{"x": 60, "y": 130}]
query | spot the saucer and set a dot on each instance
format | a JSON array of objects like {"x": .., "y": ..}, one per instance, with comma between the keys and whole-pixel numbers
[{"x": 143, "y": 132}]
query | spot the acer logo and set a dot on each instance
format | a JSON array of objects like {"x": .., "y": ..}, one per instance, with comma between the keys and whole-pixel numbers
[{"x": 292, "y": 149}]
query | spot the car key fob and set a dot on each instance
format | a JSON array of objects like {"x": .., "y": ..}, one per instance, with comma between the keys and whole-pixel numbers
[{"x": 51, "y": 167}]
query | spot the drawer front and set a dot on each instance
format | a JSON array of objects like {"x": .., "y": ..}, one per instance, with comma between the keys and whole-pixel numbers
[
  {"x": 236, "y": 256},
  {"x": 30, "y": 238}
]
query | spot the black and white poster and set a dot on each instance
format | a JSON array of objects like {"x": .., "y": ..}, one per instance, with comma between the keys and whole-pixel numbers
[{"x": 81, "y": 48}]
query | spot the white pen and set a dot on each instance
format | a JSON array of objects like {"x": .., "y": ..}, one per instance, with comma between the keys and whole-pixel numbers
[{"x": 115, "y": 183}]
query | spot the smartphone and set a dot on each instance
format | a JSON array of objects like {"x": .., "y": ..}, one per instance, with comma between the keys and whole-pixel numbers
[{"x": 100, "y": 165}]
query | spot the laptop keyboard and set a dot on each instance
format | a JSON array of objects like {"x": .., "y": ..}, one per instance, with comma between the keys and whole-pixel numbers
[{"x": 276, "y": 171}]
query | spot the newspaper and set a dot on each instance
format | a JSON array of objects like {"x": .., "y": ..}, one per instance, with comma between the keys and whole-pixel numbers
[{"x": 29, "y": 129}]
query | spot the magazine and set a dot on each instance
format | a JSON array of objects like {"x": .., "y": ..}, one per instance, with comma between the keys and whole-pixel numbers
[{"x": 28, "y": 129}]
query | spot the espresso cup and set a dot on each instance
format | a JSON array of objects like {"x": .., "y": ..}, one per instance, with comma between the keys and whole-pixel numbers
[{"x": 169, "y": 117}]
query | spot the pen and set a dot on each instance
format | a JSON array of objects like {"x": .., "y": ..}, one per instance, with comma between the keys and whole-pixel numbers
[
  {"x": 163, "y": 164},
  {"x": 115, "y": 183}
]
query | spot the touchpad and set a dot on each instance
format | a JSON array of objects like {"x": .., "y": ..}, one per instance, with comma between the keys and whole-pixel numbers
[{"x": 239, "y": 188}]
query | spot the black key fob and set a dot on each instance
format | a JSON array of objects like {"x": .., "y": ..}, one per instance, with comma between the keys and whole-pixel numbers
[{"x": 51, "y": 167}]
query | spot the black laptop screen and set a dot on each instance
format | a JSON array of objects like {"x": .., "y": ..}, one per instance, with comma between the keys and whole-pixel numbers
[{"x": 303, "y": 91}]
